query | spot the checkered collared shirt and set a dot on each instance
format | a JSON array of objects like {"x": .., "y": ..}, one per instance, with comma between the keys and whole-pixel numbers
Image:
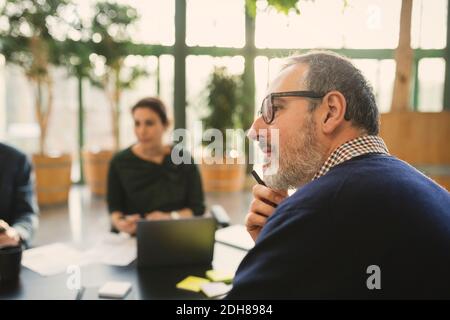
[{"x": 350, "y": 149}]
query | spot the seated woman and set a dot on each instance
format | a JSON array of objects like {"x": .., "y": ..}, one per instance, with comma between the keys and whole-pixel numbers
[{"x": 143, "y": 182}]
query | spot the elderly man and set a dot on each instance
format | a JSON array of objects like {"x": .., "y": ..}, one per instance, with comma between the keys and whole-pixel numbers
[
  {"x": 18, "y": 213},
  {"x": 361, "y": 224}
]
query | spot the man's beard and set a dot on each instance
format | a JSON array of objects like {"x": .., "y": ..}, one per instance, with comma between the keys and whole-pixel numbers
[{"x": 300, "y": 161}]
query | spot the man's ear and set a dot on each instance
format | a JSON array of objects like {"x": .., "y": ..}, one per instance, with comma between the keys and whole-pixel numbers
[{"x": 333, "y": 108}]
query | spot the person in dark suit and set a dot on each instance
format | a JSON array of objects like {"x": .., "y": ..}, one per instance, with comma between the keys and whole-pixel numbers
[
  {"x": 18, "y": 210},
  {"x": 361, "y": 224}
]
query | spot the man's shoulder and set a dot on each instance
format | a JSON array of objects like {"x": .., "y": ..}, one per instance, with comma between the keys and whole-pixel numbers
[
  {"x": 362, "y": 179},
  {"x": 383, "y": 176},
  {"x": 11, "y": 153},
  {"x": 368, "y": 168},
  {"x": 368, "y": 171}
]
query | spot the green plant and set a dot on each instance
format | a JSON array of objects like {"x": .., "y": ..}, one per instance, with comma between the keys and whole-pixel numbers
[
  {"x": 31, "y": 38},
  {"x": 283, "y": 6},
  {"x": 280, "y": 5},
  {"x": 111, "y": 43},
  {"x": 223, "y": 101}
]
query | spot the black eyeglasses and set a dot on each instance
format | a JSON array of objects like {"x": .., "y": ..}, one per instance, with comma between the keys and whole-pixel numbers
[{"x": 268, "y": 110}]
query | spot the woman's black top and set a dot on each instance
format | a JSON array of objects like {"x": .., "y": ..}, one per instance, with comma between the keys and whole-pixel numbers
[{"x": 140, "y": 186}]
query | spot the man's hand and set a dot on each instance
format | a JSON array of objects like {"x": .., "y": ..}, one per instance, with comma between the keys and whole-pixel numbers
[
  {"x": 263, "y": 205},
  {"x": 9, "y": 237},
  {"x": 126, "y": 223},
  {"x": 157, "y": 215}
]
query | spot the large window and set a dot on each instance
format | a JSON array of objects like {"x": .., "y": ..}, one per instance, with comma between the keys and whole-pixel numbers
[
  {"x": 215, "y": 23},
  {"x": 431, "y": 80},
  {"x": 380, "y": 74},
  {"x": 198, "y": 71},
  {"x": 156, "y": 24},
  {"x": 429, "y": 24},
  {"x": 146, "y": 87},
  {"x": 362, "y": 26},
  {"x": 21, "y": 128}
]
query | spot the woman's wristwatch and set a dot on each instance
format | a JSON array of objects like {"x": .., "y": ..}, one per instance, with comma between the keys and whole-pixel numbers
[{"x": 175, "y": 215}]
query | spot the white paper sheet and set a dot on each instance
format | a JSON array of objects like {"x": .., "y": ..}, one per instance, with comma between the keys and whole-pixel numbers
[
  {"x": 227, "y": 258},
  {"x": 113, "y": 249},
  {"x": 236, "y": 236},
  {"x": 215, "y": 289},
  {"x": 121, "y": 250},
  {"x": 52, "y": 259}
]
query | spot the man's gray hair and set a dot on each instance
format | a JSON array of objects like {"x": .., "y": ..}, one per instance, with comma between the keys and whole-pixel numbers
[{"x": 329, "y": 71}]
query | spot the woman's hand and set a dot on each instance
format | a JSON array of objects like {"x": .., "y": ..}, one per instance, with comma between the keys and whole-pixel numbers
[
  {"x": 265, "y": 200},
  {"x": 157, "y": 215},
  {"x": 125, "y": 223}
]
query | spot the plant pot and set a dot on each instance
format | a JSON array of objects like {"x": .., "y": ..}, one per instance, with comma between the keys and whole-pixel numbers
[
  {"x": 222, "y": 177},
  {"x": 52, "y": 178},
  {"x": 95, "y": 166},
  {"x": 421, "y": 139}
]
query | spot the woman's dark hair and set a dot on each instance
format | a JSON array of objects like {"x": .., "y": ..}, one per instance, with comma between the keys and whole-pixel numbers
[{"x": 154, "y": 104}]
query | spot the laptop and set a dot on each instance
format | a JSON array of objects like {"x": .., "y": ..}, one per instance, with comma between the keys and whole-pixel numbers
[{"x": 175, "y": 242}]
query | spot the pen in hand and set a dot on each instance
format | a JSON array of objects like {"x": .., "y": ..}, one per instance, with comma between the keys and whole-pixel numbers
[
  {"x": 265, "y": 201},
  {"x": 261, "y": 182},
  {"x": 258, "y": 179}
]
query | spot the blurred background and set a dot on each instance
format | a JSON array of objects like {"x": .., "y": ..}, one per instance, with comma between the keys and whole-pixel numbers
[{"x": 71, "y": 70}]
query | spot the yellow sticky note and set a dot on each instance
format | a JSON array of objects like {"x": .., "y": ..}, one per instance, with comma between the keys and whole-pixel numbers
[
  {"x": 219, "y": 276},
  {"x": 192, "y": 283}
]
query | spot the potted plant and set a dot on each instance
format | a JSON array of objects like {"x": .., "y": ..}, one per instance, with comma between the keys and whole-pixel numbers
[
  {"x": 111, "y": 45},
  {"x": 28, "y": 42},
  {"x": 224, "y": 171}
]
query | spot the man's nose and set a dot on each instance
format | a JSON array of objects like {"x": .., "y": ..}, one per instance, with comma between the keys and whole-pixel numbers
[{"x": 254, "y": 131}]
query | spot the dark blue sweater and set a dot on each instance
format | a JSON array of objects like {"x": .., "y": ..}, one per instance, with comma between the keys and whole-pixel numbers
[{"x": 371, "y": 210}]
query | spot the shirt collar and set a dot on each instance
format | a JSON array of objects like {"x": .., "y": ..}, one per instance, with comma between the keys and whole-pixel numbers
[{"x": 351, "y": 149}]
